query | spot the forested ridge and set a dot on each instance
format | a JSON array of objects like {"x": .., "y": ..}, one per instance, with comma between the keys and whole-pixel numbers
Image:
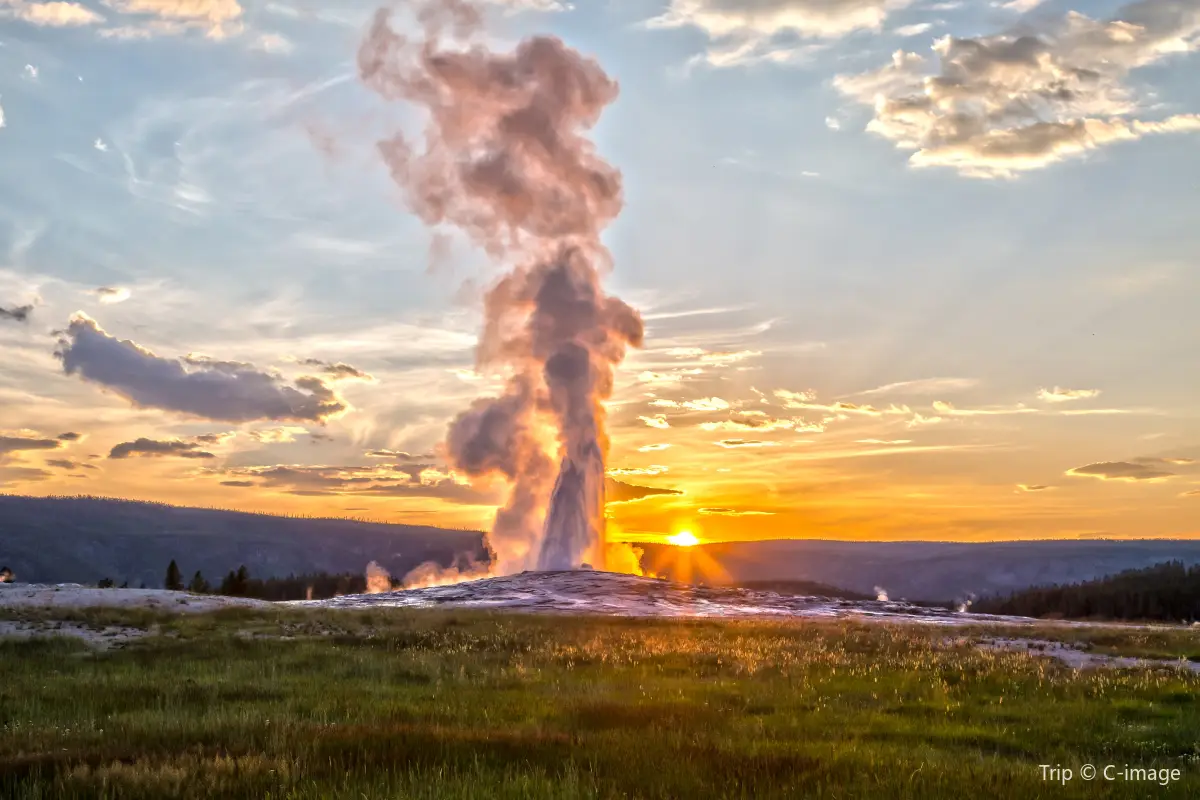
[{"x": 1168, "y": 592}]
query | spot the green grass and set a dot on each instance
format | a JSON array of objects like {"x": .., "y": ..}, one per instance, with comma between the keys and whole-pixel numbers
[{"x": 409, "y": 704}]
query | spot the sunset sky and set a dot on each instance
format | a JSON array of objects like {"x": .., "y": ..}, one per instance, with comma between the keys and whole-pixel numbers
[{"x": 909, "y": 270}]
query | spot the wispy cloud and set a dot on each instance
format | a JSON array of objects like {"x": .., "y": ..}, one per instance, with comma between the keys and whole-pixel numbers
[
  {"x": 923, "y": 386},
  {"x": 1060, "y": 395},
  {"x": 743, "y": 33}
]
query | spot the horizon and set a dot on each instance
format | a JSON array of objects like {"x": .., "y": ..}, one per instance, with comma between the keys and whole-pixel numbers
[
  {"x": 861, "y": 324},
  {"x": 631, "y": 539}
]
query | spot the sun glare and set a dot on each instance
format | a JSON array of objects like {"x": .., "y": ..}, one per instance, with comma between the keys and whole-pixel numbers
[{"x": 683, "y": 539}]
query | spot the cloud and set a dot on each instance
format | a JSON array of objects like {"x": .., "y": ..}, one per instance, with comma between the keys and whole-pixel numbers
[
  {"x": 66, "y": 463},
  {"x": 337, "y": 370},
  {"x": 734, "y": 443},
  {"x": 111, "y": 295},
  {"x": 995, "y": 106},
  {"x": 884, "y": 441},
  {"x": 1037, "y": 487},
  {"x": 923, "y": 386},
  {"x": 747, "y": 421},
  {"x": 156, "y": 448},
  {"x": 729, "y": 512},
  {"x": 218, "y": 390},
  {"x": 653, "y": 469},
  {"x": 657, "y": 421},
  {"x": 705, "y": 404},
  {"x": 1019, "y": 6},
  {"x": 19, "y": 442},
  {"x": 1059, "y": 395},
  {"x": 913, "y": 30},
  {"x": 71, "y": 436},
  {"x": 668, "y": 378},
  {"x": 217, "y": 18},
  {"x": 1192, "y": 493},
  {"x": 274, "y": 43},
  {"x": 833, "y": 123},
  {"x": 651, "y": 448},
  {"x": 100, "y": 145},
  {"x": 317, "y": 481},
  {"x": 1138, "y": 470},
  {"x": 948, "y": 410},
  {"x": 399, "y": 455},
  {"x": 17, "y": 313},
  {"x": 840, "y": 408},
  {"x": 49, "y": 15},
  {"x": 239, "y": 484},
  {"x": 282, "y": 435},
  {"x": 31, "y": 72},
  {"x": 621, "y": 492},
  {"x": 747, "y": 31}
]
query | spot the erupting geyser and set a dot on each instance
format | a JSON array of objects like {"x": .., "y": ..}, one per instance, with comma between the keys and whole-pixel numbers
[{"x": 506, "y": 160}]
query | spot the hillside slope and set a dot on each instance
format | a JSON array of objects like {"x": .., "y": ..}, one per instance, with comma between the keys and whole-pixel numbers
[
  {"x": 82, "y": 539},
  {"x": 926, "y": 571}
]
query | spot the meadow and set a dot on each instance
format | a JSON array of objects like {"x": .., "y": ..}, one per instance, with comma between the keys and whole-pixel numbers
[{"x": 433, "y": 704}]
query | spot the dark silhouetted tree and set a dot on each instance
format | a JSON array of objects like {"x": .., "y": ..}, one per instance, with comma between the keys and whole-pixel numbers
[
  {"x": 174, "y": 580},
  {"x": 106, "y": 583},
  {"x": 199, "y": 585}
]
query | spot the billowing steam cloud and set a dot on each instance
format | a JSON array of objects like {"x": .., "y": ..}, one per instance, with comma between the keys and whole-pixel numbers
[
  {"x": 379, "y": 580},
  {"x": 505, "y": 160}
]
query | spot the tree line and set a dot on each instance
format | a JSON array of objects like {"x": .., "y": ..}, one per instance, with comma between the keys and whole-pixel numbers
[
  {"x": 239, "y": 583},
  {"x": 1167, "y": 592}
]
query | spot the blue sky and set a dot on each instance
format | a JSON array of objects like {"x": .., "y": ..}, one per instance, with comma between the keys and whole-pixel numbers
[{"x": 1024, "y": 225}]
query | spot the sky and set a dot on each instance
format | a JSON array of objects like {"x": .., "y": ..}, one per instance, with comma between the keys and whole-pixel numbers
[{"x": 909, "y": 270}]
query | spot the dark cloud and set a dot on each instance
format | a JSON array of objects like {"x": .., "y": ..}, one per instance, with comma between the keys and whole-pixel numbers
[
  {"x": 732, "y": 443},
  {"x": 337, "y": 370},
  {"x": 66, "y": 463},
  {"x": 238, "y": 484},
  {"x": 227, "y": 391},
  {"x": 1121, "y": 471},
  {"x": 23, "y": 475},
  {"x": 13, "y": 444},
  {"x": 732, "y": 512},
  {"x": 154, "y": 448},
  {"x": 400, "y": 455},
  {"x": 621, "y": 492},
  {"x": 70, "y": 437},
  {"x": 17, "y": 313}
]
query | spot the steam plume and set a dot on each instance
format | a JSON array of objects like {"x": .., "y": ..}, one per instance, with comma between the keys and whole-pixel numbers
[
  {"x": 881, "y": 594},
  {"x": 505, "y": 160},
  {"x": 379, "y": 580}
]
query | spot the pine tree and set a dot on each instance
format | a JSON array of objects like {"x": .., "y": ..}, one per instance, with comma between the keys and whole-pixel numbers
[
  {"x": 174, "y": 580},
  {"x": 199, "y": 585}
]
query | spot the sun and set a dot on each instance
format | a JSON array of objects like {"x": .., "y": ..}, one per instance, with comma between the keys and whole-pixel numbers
[{"x": 683, "y": 539}]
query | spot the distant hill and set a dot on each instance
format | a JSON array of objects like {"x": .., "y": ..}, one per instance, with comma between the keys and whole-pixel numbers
[
  {"x": 1167, "y": 592},
  {"x": 85, "y": 539},
  {"x": 924, "y": 571}
]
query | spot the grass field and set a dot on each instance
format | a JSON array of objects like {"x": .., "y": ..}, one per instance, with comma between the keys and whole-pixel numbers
[{"x": 410, "y": 704}]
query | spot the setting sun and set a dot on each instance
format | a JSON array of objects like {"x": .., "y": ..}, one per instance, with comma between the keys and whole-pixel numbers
[{"x": 683, "y": 539}]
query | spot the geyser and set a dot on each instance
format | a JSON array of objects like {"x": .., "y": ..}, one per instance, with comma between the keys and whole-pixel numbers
[{"x": 505, "y": 159}]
